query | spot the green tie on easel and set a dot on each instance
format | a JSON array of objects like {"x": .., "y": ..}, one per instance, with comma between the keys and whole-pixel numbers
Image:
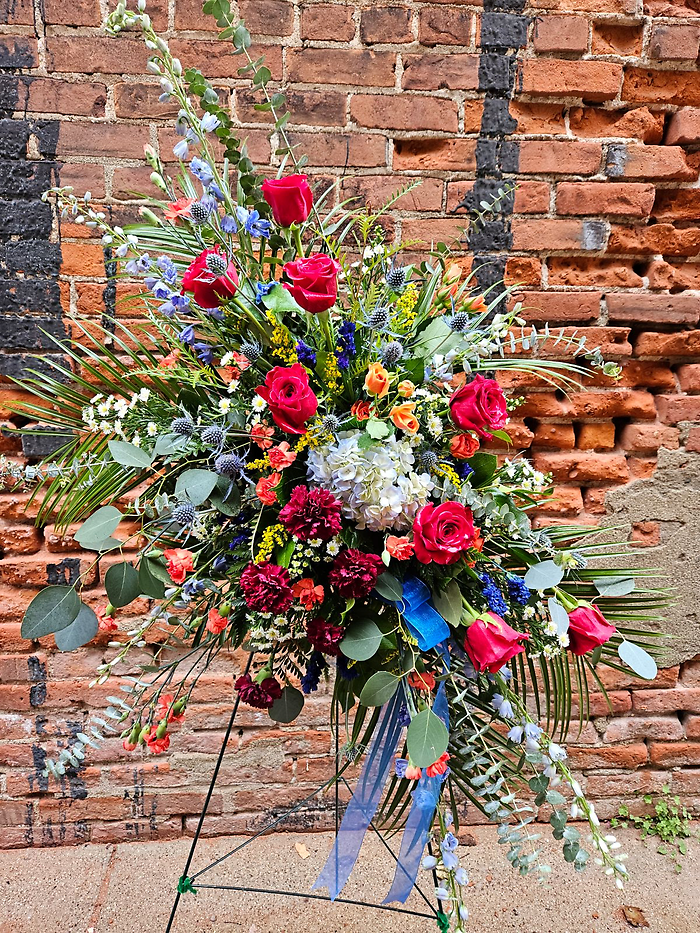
[{"x": 185, "y": 884}]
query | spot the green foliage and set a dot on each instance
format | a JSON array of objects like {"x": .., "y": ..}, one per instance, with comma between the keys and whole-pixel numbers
[{"x": 670, "y": 821}]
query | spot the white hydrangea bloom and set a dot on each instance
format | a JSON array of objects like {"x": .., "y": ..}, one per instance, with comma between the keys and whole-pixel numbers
[{"x": 378, "y": 485}]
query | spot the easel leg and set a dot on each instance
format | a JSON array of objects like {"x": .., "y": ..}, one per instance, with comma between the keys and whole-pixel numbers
[{"x": 207, "y": 801}]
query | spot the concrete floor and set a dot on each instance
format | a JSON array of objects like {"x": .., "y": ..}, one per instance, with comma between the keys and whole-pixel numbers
[{"x": 129, "y": 889}]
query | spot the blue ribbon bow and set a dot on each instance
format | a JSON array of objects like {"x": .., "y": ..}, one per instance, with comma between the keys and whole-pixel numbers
[{"x": 425, "y": 624}]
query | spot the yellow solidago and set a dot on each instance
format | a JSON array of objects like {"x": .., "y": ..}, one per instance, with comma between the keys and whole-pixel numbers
[
  {"x": 273, "y": 536},
  {"x": 262, "y": 464},
  {"x": 331, "y": 374},
  {"x": 282, "y": 344},
  {"x": 445, "y": 470},
  {"x": 406, "y": 304}
]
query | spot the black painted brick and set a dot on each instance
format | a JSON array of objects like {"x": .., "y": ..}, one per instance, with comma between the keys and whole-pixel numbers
[
  {"x": 496, "y": 119},
  {"x": 28, "y": 221},
  {"x": 33, "y": 257},
  {"x": 15, "y": 365},
  {"x": 26, "y": 179},
  {"x": 39, "y": 294},
  {"x": 13, "y": 139},
  {"x": 503, "y": 30},
  {"x": 27, "y": 332}
]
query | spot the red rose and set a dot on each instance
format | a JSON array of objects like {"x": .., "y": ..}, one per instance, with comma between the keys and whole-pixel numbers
[
  {"x": 209, "y": 289},
  {"x": 312, "y": 513},
  {"x": 289, "y": 397},
  {"x": 314, "y": 282},
  {"x": 479, "y": 406},
  {"x": 354, "y": 573},
  {"x": 442, "y": 533},
  {"x": 588, "y": 628},
  {"x": 490, "y": 642},
  {"x": 290, "y": 199}
]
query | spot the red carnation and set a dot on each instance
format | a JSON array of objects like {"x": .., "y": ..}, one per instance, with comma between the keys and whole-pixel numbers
[
  {"x": 354, "y": 573},
  {"x": 312, "y": 513},
  {"x": 260, "y": 695},
  {"x": 324, "y": 636},
  {"x": 267, "y": 587}
]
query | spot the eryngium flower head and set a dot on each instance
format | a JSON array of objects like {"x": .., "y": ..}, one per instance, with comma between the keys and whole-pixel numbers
[
  {"x": 213, "y": 436},
  {"x": 396, "y": 277},
  {"x": 217, "y": 264},
  {"x": 183, "y": 426},
  {"x": 392, "y": 353},
  {"x": 251, "y": 350},
  {"x": 184, "y": 513},
  {"x": 229, "y": 465},
  {"x": 378, "y": 319},
  {"x": 200, "y": 212}
]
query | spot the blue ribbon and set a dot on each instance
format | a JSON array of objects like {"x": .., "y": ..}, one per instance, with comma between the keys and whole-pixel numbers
[
  {"x": 415, "y": 835},
  {"x": 365, "y": 800},
  {"x": 425, "y": 624}
]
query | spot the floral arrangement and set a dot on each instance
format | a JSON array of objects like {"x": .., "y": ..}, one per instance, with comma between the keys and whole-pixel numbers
[{"x": 288, "y": 456}]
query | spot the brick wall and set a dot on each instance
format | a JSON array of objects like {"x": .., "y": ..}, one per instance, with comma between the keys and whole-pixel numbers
[{"x": 592, "y": 105}]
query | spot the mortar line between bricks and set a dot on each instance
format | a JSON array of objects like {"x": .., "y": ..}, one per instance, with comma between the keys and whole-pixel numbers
[{"x": 104, "y": 887}]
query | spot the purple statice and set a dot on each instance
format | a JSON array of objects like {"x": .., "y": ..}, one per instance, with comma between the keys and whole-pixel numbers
[
  {"x": 493, "y": 595},
  {"x": 314, "y": 668},
  {"x": 346, "y": 344},
  {"x": 403, "y": 715},
  {"x": 306, "y": 354},
  {"x": 517, "y": 590}
]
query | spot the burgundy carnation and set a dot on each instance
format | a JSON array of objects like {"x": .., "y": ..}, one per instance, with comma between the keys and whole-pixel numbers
[
  {"x": 324, "y": 636},
  {"x": 261, "y": 695},
  {"x": 312, "y": 513},
  {"x": 354, "y": 573},
  {"x": 267, "y": 587}
]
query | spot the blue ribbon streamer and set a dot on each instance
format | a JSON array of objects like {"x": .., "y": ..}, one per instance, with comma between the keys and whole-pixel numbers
[
  {"x": 425, "y": 800},
  {"x": 364, "y": 802},
  {"x": 425, "y": 624}
]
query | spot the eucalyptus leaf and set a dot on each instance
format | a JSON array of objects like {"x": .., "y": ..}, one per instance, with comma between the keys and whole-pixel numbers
[
  {"x": 81, "y": 630},
  {"x": 149, "y": 584},
  {"x": 361, "y": 640},
  {"x": 614, "y": 586},
  {"x": 389, "y": 587},
  {"x": 544, "y": 576},
  {"x": 437, "y": 337},
  {"x": 169, "y": 444},
  {"x": 99, "y": 527},
  {"x": 226, "y": 497},
  {"x": 379, "y": 689},
  {"x": 51, "y": 610},
  {"x": 196, "y": 485},
  {"x": 449, "y": 603},
  {"x": 287, "y": 707},
  {"x": 427, "y": 738},
  {"x": 129, "y": 455},
  {"x": 559, "y": 615},
  {"x": 122, "y": 584},
  {"x": 638, "y": 659}
]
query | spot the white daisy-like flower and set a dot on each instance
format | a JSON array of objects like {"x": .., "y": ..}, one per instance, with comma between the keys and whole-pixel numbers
[
  {"x": 152, "y": 429},
  {"x": 564, "y": 639},
  {"x": 105, "y": 427},
  {"x": 258, "y": 404},
  {"x": 144, "y": 394},
  {"x": 121, "y": 408},
  {"x": 435, "y": 425},
  {"x": 225, "y": 405},
  {"x": 136, "y": 440},
  {"x": 550, "y": 628},
  {"x": 227, "y": 359},
  {"x": 118, "y": 427},
  {"x": 103, "y": 408},
  {"x": 333, "y": 548},
  {"x": 232, "y": 386}
]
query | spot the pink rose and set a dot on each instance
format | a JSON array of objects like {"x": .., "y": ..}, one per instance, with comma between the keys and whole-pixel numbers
[
  {"x": 479, "y": 406},
  {"x": 313, "y": 282},
  {"x": 209, "y": 290},
  {"x": 289, "y": 397},
  {"x": 588, "y": 628},
  {"x": 290, "y": 198},
  {"x": 442, "y": 533},
  {"x": 490, "y": 642}
]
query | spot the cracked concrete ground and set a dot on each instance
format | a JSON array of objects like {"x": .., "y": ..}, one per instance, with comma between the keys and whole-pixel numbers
[{"x": 129, "y": 889}]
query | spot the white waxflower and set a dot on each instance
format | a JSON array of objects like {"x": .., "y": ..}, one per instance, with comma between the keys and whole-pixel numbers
[
  {"x": 152, "y": 429},
  {"x": 258, "y": 403},
  {"x": 144, "y": 394},
  {"x": 225, "y": 405},
  {"x": 550, "y": 628}
]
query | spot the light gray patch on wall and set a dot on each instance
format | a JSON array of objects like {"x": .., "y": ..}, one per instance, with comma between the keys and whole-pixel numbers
[{"x": 670, "y": 497}]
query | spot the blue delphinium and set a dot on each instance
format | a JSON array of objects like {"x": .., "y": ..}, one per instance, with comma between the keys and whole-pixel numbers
[
  {"x": 306, "y": 354},
  {"x": 262, "y": 289},
  {"x": 210, "y": 122},
  {"x": 167, "y": 268},
  {"x": 205, "y": 352},
  {"x": 186, "y": 335},
  {"x": 347, "y": 673},
  {"x": 201, "y": 170},
  {"x": 139, "y": 265},
  {"x": 517, "y": 590},
  {"x": 257, "y": 226},
  {"x": 229, "y": 224},
  {"x": 314, "y": 669},
  {"x": 493, "y": 595},
  {"x": 465, "y": 470},
  {"x": 346, "y": 344}
]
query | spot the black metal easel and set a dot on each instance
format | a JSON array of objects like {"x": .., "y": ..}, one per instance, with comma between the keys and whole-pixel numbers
[{"x": 186, "y": 883}]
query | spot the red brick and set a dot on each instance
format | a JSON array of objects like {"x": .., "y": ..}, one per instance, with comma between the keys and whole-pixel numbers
[
  {"x": 85, "y": 259},
  {"x": 674, "y": 754},
  {"x": 645, "y": 534},
  {"x": 693, "y": 441},
  {"x": 663, "y": 701},
  {"x": 596, "y": 436},
  {"x": 613, "y": 403},
  {"x": 141, "y": 100},
  {"x": 640, "y": 123},
  {"x": 610, "y": 38},
  {"x": 561, "y": 34},
  {"x": 340, "y": 149},
  {"x": 559, "y": 307},
  {"x": 404, "y": 112},
  {"x": 350, "y": 66},
  {"x": 675, "y": 408},
  {"x": 555, "y": 436},
  {"x": 267, "y": 17},
  {"x": 689, "y": 377},
  {"x": 653, "y": 309},
  {"x": 19, "y": 52},
  {"x": 649, "y": 437},
  {"x": 20, "y": 539},
  {"x": 566, "y": 500},
  {"x": 330, "y": 22},
  {"x": 584, "y": 468},
  {"x": 20, "y": 13},
  {"x": 674, "y": 204},
  {"x": 589, "y": 80},
  {"x": 102, "y": 139},
  {"x": 445, "y": 229},
  {"x": 674, "y": 43},
  {"x": 665, "y": 162},
  {"x": 619, "y": 756},
  {"x": 49, "y": 95},
  {"x": 574, "y": 270},
  {"x": 684, "y": 127},
  {"x": 444, "y": 26},
  {"x": 523, "y": 270},
  {"x": 685, "y": 343},
  {"x": 434, "y": 72},
  {"x": 314, "y": 108},
  {"x": 536, "y": 117},
  {"x": 626, "y": 729},
  {"x": 644, "y": 85},
  {"x": 556, "y": 235},
  {"x": 595, "y": 198},
  {"x": 457, "y": 155},
  {"x": 662, "y": 239},
  {"x": 70, "y": 53},
  {"x": 76, "y": 13},
  {"x": 375, "y": 190},
  {"x": 559, "y": 157},
  {"x": 386, "y": 24}
]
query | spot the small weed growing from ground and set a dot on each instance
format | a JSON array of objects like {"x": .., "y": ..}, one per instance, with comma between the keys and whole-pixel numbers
[{"x": 670, "y": 821}]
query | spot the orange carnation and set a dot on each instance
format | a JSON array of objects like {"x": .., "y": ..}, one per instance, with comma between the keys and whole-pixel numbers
[
  {"x": 400, "y": 548},
  {"x": 281, "y": 456},
  {"x": 377, "y": 380},
  {"x": 216, "y": 623},
  {"x": 178, "y": 563},
  {"x": 421, "y": 681},
  {"x": 261, "y": 434},
  {"x": 265, "y": 488},
  {"x": 403, "y": 417},
  {"x": 308, "y": 594}
]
